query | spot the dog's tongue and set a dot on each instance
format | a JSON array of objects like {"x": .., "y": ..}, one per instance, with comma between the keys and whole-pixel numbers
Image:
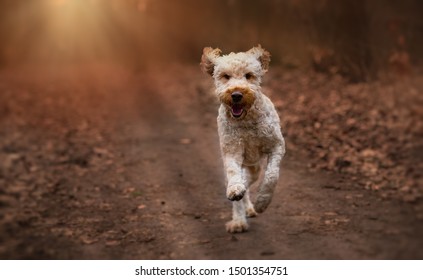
[{"x": 237, "y": 110}]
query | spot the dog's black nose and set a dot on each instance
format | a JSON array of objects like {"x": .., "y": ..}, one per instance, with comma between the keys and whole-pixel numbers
[{"x": 236, "y": 96}]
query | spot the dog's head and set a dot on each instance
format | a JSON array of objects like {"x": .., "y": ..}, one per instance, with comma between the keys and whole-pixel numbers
[{"x": 237, "y": 76}]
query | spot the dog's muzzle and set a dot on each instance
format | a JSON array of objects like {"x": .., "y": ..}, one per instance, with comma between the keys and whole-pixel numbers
[
  {"x": 237, "y": 107},
  {"x": 236, "y": 96}
]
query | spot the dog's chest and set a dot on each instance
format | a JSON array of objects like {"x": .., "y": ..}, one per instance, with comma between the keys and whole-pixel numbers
[
  {"x": 256, "y": 142},
  {"x": 253, "y": 141}
]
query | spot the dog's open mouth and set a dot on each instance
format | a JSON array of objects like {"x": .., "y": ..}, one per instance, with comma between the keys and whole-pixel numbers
[{"x": 237, "y": 110}]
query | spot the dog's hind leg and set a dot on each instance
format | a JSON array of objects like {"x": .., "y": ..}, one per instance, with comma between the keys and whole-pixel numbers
[
  {"x": 239, "y": 221},
  {"x": 248, "y": 205},
  {"x": 250, "y": 175}
]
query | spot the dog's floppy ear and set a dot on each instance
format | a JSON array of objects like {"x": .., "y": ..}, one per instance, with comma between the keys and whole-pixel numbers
[
  {"x": 208, "y": 59},
  {"x": 262, "y": 56}
]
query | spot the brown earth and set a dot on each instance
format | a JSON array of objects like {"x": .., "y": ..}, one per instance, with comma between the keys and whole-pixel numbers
[{"x": 101, "y": 163}]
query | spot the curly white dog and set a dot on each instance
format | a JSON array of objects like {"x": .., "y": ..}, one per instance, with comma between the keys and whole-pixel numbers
[{"x": 249, "y": 129}]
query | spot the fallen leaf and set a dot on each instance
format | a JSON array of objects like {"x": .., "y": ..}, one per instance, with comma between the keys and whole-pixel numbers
[{"x": 185, "y": 141}]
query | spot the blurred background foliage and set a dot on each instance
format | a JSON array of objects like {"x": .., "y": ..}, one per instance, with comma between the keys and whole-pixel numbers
[{"x": 355, "y": 38}]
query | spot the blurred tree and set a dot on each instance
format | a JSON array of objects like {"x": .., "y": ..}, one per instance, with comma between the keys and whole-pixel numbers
[{"x": 354, "y": 38}]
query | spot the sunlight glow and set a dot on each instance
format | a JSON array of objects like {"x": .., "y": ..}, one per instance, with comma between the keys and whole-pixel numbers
[
  {"x": 58, "y": 2},
  {"x": 81, "y": 28}
]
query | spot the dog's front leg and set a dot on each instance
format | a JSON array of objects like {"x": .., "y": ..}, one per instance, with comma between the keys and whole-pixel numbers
[
  {"x": 233, "y": 164},
  {"x": 235, "y": 192},
  {"x": 271, "y": 176}
]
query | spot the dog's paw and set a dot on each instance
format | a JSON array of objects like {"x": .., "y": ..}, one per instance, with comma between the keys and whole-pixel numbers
[
  {"x": 235, "y": 192},
  {"x": 262, "y": 202},
  {"x": 250, "y": 212},
  {"x": 236, "y": 226}
]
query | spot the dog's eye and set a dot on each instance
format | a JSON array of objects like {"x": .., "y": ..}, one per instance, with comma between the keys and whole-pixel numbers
[
  {"x": 226, "y": 76},
  {"x": 249, "y": 76}
]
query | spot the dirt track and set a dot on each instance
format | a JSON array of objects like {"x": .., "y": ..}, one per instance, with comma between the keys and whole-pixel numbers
[{"x": 119, "y": 166}]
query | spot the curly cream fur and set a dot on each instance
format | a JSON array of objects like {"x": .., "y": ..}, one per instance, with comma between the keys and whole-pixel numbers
[{"x": 247, "y": 139}]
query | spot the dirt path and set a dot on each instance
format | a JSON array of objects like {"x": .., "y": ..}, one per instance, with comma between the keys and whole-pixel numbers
[{"x": 128, "y": 167}]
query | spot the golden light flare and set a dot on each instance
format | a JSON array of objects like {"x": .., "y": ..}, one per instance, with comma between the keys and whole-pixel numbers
[
  {"x": 70, "y": 30},
  {"x": 76, "y": 27},
  {"x": 58, "y": 2}
]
